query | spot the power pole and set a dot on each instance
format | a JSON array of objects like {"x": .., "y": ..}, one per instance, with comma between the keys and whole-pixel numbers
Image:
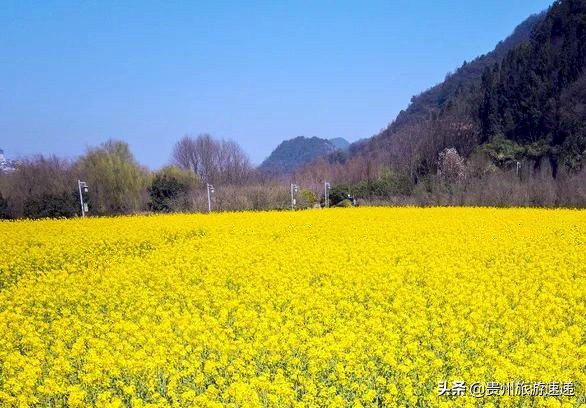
[
  {"x": 294, "y": 189},
  {"x": 327, "y": 187},
  {"x": 211, "y": 190},
  {"x": 84, "y": 207}
]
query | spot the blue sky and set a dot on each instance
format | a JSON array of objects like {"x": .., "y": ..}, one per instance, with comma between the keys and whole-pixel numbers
[{"x": 74, "y": 74}]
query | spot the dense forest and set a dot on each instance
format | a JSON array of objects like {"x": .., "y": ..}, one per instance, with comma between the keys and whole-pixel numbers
[{"x": 535, "y": 98}]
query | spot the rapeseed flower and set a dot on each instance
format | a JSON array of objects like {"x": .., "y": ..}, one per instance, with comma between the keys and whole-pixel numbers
[{"x": 342, "y": 307}]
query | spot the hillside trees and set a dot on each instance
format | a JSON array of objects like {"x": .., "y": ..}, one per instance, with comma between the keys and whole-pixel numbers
[
  {"x": 525, "y": 100},
  {"x": 535, "y": 96},
  {"x": 572, "y": 124},
  {"x": 292, "y": 154}
]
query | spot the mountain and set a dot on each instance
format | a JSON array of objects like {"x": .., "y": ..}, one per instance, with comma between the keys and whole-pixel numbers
[
  {"x": 514, "y": 119},
  {"x": 294, "y": 153},
  {"x": 431, "y": 102},
  {"x": 524, "y": 101},
  {"x": 340, "y": 143},
  {"x": 423, "y": 105},
  {"x": 533, "y": 104}
]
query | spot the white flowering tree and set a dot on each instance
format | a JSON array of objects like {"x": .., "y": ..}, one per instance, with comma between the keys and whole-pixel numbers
[{"x": 451, "y": 165}]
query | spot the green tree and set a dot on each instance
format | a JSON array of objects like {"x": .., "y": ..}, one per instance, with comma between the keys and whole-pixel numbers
[
  {"x": 117, "y": 182},
  {"x": 338, "y": 194},
  {"x": 307, "y": 198},
  {"x": 51, "y": 205},
  {"x": 170, "y": 188},
  {"x": 488, "y": 111}
]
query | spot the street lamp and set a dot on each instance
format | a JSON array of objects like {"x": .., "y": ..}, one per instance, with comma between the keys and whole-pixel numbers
[
  {"x": 294, "y": 189},
  {"x": 211, "y": 190},
  {"x": 83, "y": 188},
  {"x": 327, "y": 188}
]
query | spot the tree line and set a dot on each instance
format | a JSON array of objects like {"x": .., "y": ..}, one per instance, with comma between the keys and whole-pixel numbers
[{"x": 46, "y": 186}]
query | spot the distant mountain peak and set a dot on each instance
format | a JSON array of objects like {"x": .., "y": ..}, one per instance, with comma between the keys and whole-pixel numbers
[
  {"x": 294, "y": 153},
  {"x": 340, "y": 143}
]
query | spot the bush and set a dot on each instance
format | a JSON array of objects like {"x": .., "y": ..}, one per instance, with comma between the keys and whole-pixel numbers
[
  {"x": 338, "y": 194},
  {"x": 344, "y": 203},
  {"x": 307, "y": 199},
  {"x": 503, "y": 151},
  {"x": 388, "y": 185},
  {"x": 170, "y": 189},
  {"x": 51, "y": 205},
  {"x": 252, "y": 197}
]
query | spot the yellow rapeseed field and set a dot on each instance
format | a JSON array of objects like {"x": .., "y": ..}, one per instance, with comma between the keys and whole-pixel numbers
[{"x": 343, "y": 307}]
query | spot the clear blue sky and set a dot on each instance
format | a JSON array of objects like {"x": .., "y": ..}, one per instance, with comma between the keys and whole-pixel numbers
[{"x": 73, "y": 74}]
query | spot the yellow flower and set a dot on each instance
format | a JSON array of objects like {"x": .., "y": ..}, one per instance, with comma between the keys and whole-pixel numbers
[
  {"x": 76, "y": 396},
  {"x": 341, "y": 307}
]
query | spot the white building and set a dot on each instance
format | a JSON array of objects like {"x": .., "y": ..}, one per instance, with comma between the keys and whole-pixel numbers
[{"x": 5, "y": 164}]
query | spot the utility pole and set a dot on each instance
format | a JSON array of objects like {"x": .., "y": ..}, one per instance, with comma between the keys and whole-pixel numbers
[
  {"x": 84, "y": 207},
  {"x": 294, "y": 189},
  {"x": 211, "y": 190},
  {"x": 327, "y": 187}
]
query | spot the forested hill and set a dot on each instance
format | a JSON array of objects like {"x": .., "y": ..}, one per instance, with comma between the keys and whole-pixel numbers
[
  {"x": 534, "y": 102},
  {"x": 293, "y": 153},
  {"x": 526, "y": 100},
  {"x": 433, "y": 100},
  {"x": 424, "y": 104}
]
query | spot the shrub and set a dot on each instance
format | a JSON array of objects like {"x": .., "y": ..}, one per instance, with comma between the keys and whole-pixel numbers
[
  {"x": 344, "y": 203},
  {"x": 307, "y": 198},
  {"x": 51, "y": 205},
  {"x": 170, "y": 188},
  {"x": 338, "y": 194}
]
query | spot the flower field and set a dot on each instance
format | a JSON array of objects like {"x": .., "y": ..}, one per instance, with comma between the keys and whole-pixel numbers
[{"x": 342, "y": 307}]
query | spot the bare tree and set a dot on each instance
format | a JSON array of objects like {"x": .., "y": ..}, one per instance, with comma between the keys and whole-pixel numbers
[
  {"x": 185, "y": 154},
  {"x": 213, "y": 161},
  {"x": 197, "y": 154},
  {"x": 41, "y": 186},
  {"x": 234, "y": 165}
]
